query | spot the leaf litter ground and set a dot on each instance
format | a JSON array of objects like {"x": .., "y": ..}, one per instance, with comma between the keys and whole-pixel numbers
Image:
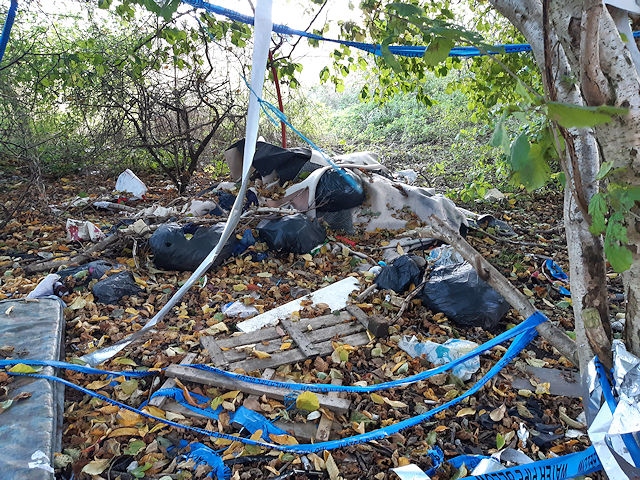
[{"x": 102, "y": 440}]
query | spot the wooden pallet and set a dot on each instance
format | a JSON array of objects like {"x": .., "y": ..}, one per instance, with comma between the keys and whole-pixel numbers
[{"x": 310, "y": 337}]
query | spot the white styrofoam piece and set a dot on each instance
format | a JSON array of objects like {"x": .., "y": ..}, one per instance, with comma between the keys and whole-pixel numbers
[
  {"x": 410, "y": 472},
  {"x": 334, "y": 295}
]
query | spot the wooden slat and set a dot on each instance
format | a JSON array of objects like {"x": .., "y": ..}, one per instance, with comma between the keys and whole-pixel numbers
[
  {"x": 297, "y": 336},
  {"x": 338, "y": 405},
  {"x": 325, "y": 423},
  {"x": 215, "y": 353},
  {"x": 170, "y": 382}
]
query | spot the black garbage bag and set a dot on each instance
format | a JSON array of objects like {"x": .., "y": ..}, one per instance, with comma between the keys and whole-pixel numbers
[
  {"x": 400, "y": 274},
  {"x": 173, "y": 251},
  {"x": 293, "y": 233},
  {"x": 457, "y": 291},
  {"x": 287, "y": 162},
  {"x": 113, "y": 288},
  {"x": 335, "y": 193}
]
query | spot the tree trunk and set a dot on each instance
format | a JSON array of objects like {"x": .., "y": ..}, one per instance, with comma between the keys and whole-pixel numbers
[{"x": 554, "y": 47}]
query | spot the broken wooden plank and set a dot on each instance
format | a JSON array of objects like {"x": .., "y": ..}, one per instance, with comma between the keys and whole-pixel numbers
[
  {"x": 325, "y": 423},
  {"x": 297, "y": 336},
  {"x": 215, "y": 352},
  {"x": 338, "y": 405},
  {"x": 376, "y": 324}
]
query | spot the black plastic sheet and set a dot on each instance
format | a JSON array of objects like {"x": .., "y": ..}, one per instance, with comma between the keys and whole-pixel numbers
[{"x": 293, "y": 233}]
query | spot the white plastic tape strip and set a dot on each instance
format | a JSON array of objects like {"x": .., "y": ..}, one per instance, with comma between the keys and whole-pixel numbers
[{"x": 262, "y": 39}]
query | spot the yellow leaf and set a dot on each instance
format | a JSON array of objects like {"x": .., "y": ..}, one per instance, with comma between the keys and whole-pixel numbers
[
  {"x": 131, "y": 311},
  {"x": 332, "y": 468},
  {"x": 155, "y": 411},
  {"x": 307, "y": 401},
  {"x": 527, "y": 292},
  {"x": 257, "y": 435},
  {"x": 260, "y": 354},
  {"x": 395, "y": 403},
  {"x": 98, "y": 384},
  {"x": 307, "y": 257},
  {"x": 543, "y": 388},
  {"x": 285, "y": 346},
  {"x": 78, "y": 303},
  {"x": 230, "y": 395},
  {"x": 403, "y": 461},
  {"x": 264, "y": 275},
  {"x": 127, "y": 418},
  {"x": 96, "y": 467},
  {"x": 377, "y": 399},
  {"x": 358, "y": 427},
  {"x": 22, "y": 368},
  {"x": 463, "y": 412},
  {"x": 399, "y": 249},
  {"x": 440, "y": 428},
  {"x": 283, "y": 439},
  {"x": 124, "y": 432},
  {"x": 239, "y": 287}
]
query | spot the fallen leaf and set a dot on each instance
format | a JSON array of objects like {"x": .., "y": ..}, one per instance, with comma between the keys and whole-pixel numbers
[
  {"x": 22, "y": 368},
  {"x": 463, "y": 412},
  {"x": 307, "y": 401},
  {"x": 96, "y": 467},
  {"x": 330, "y": 464},
  {"x": 498, "y": 414}
]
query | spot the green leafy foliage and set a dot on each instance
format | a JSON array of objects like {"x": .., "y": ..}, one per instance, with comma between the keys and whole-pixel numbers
[
  {"x": 579, "y": 116},
  {"x": 528, "y": 162}
]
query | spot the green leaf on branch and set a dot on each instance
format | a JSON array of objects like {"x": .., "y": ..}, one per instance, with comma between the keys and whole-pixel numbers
[
  {"x": 389, "y": 57},
  {"x": 405, "y": 9},
  {"x": 529, "y": 167},
  {"x": 438, "y": 51},
  {"x": 500, "y": 137},
  {"x": 605, "y": 168},
  {"x": 618, "y": 255},
  {"x": 570, "y": 116},
  {"x": 597, "y": 209}
]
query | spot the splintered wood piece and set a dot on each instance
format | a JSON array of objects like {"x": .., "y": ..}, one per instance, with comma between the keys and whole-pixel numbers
[
  {"x": 325, "y": 423},
  {"x": 338, "y": 405}
]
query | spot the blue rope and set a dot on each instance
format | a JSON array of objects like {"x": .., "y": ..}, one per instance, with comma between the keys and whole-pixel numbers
[{"x": 6, "y": 30}]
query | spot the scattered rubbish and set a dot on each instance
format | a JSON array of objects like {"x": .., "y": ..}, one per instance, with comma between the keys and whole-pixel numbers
[
  {"x": 83, "y": 230},
  {"x": 172, "y": 250},
  {"x": 128, "y": 182},
  {"x": 113, "y": 288},
  {"x": 404, "y": 271},
  {"x": 198, "y": 208},
  {"x": 39, "y": 459},
  {"x": 440, "y": 354},
  {"x": 49, "y": 285},
  {"x": 294, "y": 233},
  {"x": 443, "y": 256},
  {"x": 157, "y": 211},
  {"x": 334, "y": 295},
  {"x": 410, "y": 472},
  {"x": 239, "y": 309},
  {"x": 200, "y": 454},
  {"x": 95, "y": 269},
  {"x": 334, "y": 193},
  {"x": 457, "y": 291},
  {"x": 494, "y": 195},
  {"x": 409, "y": 176}
]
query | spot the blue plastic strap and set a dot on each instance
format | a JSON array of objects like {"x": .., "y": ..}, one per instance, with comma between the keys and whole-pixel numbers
[
  {"x": 558, "y": 468},
  {"x": 76, "y": 368},
  {"x": 527, "y": 326},
  {"x": 6, "y": 29},
  {"x": 403, "y": 50}
]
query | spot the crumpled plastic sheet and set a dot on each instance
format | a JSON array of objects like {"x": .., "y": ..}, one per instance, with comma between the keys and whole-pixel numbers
[{"x": 36, "y": 330}]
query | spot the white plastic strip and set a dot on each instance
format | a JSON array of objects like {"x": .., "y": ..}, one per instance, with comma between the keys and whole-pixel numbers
[{"x": 261, "y": 41}]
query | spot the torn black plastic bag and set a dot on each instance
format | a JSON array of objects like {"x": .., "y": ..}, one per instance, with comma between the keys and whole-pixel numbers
[
  {"x": 400, "y": 274},
  {"x": 113, "y": 288},
  {"x": 173, "y": 251},
  {"x": 457, "y": 291},
  {"x": 286, "y": 162},
  {"x": 334, "y": 193},
  {"x": 294, "y": 233}
]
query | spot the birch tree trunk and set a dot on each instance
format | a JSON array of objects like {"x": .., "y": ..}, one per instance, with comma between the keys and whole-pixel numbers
[{"x": 585, "y": 62}]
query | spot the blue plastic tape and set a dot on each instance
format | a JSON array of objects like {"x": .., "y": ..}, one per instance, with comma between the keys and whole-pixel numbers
[
  {"x": 6, "y": 29},
  {"x": 559, "y": 468},
  {"x": 76, "y": 368}
]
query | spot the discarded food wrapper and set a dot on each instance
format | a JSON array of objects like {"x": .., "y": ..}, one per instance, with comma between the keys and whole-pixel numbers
[
  {"x": 128, "y": 182},
  {"x": 83, "y": 230},
  {"x": 440, "y": 354}
]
